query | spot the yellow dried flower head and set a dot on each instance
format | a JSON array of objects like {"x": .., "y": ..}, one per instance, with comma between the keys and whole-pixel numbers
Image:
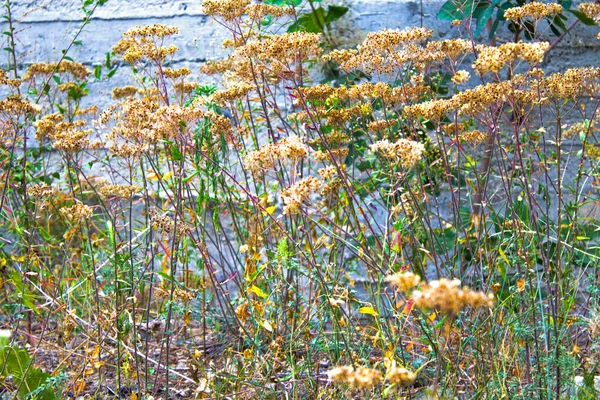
[
  {"x": 41, "y": 190},
  {"x": 433, "y": 110},
  {"x": 534, "y": 10},
  {"x": 156, "y": 30},
  {"x": 404, "y": 281},
  {"x": 405, "y": 152},
  {"x": 400, "y": 376},
  {"x": 258, "y": 11},
  {"x": 126, "y": 91},
  {"x": 76, "y": 212},
  {"x": 166, "y": 225},
  {"x": 85, "y": 111},
  {"x": 170, "y": 121},
  {"x": 15, "y": 106},
  {"x": 220, "y": 125},
  {"x": 217, "y": 66},
  {"x": 475, "y": 101},
  {"x": 407, "y": 206},
  {"x": 474, "y": 136},
  {"x": 146, "y": 42},
  {"x": 226, "y": 9},
  {"x": 46, "y": 124},
  {"x": 288, "y": 47},
  {"x": 359, "y": 378},
  {"x": 572, "y": 84},
  {"x": 379, "y": 53},
  {"x": 328, "y": 172},
  {"x": 66, "y": 136},
  {"x": 451, "y": 48},
  {"x": 106, "y": 190},
  {"x": 592, "y": 10},
  {"x": 290, "y": 148},
  {"x": 447, "y": 296},
  {"x": 293, "y": 196},
  {"x": 172, "y": 73},
  {"x": 339, "y": 116},
  {"x": 382, "y": 125},
  {"x": 333, "y": 154},
  {"x": 320, "y": 92},
  {"x": 389, "y": 39},
  {"x": 577, "y": 128},
  {"x": 75, "y": 69},
  {"x": 460, "y": 77},
  {"x": 236, "y": 91},
  {"x": 593, "y": 152},
  {"x": 185, "y": 87},
  {"x": 493, "y": 59}
]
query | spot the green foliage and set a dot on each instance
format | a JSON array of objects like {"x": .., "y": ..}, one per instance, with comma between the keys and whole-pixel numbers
[{"x": 32, "y": 382}]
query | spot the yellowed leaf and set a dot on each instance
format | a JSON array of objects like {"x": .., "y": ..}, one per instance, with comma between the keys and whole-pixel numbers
[
  {"x": 257, "y": 291},
  {"x": 368, "y": 311},
  {"x": 431, "y": 317},
  {"x": 269, "y": 210},
  {"x": 521, "y": 285}
]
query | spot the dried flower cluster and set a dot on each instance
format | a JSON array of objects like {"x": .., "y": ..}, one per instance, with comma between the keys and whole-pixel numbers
[
  {"x": 592, "y": 10},
  {"x": 106, "y": 190},
  {"x": 578, "y": 128},
  {"x": 400, "y": 376},
  {"x": 122, "y": 92},
  {"x": 226, "y": 9},
  {"x": 141, "y": 123},
  {"x": 447, "y": 296},
  {"x": 473, "y": 136},
  {"x": 75, "y": 69},
  {"x": 404, "y": 152},
  {"x": 15, "y": 106},
  {"x": 290, "y": 148},
  {"x": 535, "y": 10},
  {"x": 5, "y": 80},
  {"x": 493, "y": 59},
  {"x": 379, "y": 51},
  {"x": 460, "y": 77},
  {"x": 77, "y": 212},
  {"x": 404, "y": 281},
  {"x": 359, "y": 378},
  {"x": 166, "y": 225},
  {"x": 145, "y": 42},
  {"x": 41, "y": 190},
  {"x": 69, "y": 137},
  {"x": 294, "y": 195}
]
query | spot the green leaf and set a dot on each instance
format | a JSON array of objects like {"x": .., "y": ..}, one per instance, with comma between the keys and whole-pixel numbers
[
  {"x": 176, "y": 154},
  {"x": 111, "y": 72},
  {"x": 312, "y": 22},
  {"x": 294, "y": 3},
  {"x": 98, "y": 72},
  {"x": 485, "y": 15},
  {"x": 455, "y": 9},
  {"x": 33, "y": 382},
  {"x": 582, "y": 17},
  {"x": 334, "y": 13}
]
